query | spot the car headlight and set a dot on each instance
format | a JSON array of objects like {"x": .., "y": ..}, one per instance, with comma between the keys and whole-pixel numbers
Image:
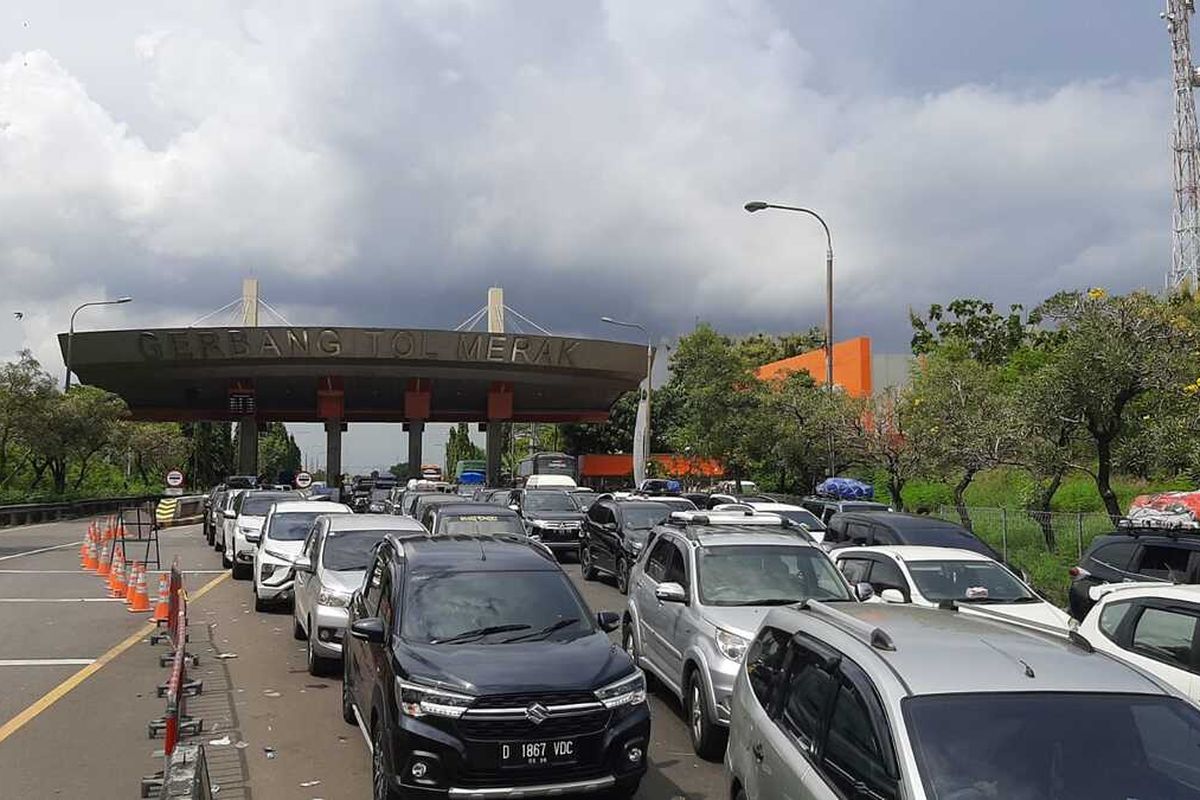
[
  {"x": 537, "y": 523},
  {"x": 629, "y": 691},
  {"x": 328, "y": 597},
  {"x": 417, "y": 700},
  {"x": 731, "y": 645},
  {"x": 636, "y": 546},
  {"x": 377, "y": 506}
]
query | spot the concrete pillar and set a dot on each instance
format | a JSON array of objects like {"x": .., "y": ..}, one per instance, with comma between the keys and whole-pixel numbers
[
  {"x": 495, "y": 452},
  {"x": 416, "y": 440},
  {"x": 248, "y": 446},
  {"x": 333, "y": 453}
]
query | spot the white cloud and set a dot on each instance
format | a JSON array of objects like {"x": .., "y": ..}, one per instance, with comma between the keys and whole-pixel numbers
[{"x": 383, "y": 163}]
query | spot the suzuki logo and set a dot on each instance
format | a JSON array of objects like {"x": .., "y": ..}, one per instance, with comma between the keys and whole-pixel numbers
[{"x": 537, "y": 713}]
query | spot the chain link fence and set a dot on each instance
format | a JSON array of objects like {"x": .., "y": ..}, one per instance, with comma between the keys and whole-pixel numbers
[{"x": 1014, "y": 530}]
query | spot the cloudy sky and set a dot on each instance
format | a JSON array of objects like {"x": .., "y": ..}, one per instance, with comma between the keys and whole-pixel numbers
[{"x": 382, "y": 163}]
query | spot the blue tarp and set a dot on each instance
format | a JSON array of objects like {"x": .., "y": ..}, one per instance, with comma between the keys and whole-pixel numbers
[
  {"x": 471, "y": 478},
  {"x": 846, "y": 489}
]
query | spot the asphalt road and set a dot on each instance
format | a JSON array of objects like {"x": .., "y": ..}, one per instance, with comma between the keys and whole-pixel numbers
[{"x": 271, "y": 729}]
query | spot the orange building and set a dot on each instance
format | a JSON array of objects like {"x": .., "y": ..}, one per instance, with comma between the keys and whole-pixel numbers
[
  {"x": 598, "y": 468},
  {"x": 851, "y": 366}
]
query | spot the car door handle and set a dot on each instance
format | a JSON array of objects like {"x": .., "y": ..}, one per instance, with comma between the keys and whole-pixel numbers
[{"x": 757, "y": 752}]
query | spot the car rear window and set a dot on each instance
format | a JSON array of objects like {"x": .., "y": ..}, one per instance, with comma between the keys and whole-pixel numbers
[
  {"x": 293, "y": 526},
  {"x": 480, "y": 523},
  {"x": 257, "y": 505}
]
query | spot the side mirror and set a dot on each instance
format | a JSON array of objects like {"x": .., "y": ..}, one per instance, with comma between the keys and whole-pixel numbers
[
  {"x": 608, "y": 621},
  {"x": 671, "y": 593},
  {"x": 514, "y": 506},
  {"x": 864, "y": 591},
  {"x": 229, "y": 513},
  {"x": 303, "y": 564},
  {"x": 892, "y": 596},
  {"x": 368, "y": 629}
]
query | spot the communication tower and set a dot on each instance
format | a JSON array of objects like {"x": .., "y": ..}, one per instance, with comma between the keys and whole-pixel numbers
[{"x": 1185, "y": 251}]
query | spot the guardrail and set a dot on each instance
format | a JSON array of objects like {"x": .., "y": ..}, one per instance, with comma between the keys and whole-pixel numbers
[{"x": 30, "y": 513}]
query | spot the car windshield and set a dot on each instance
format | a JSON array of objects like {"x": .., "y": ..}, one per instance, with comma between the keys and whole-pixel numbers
[
  {"x": 583, "y": 500},
  {"x": 257, "y": 505},
  {"x": 643, "y": 518},
  {"x": 805, "y": 518},
  {"x": 480, "y": 523},
  {"x": 747, "y": 575},
  {"x": 549, "y": 501},
  {"x": 378, "y": 495},
  {"x": 461, "y": 607},
  {"x": 968, "y": 582},
  {"x": 349, "y": 550},
  {"x": 292, "y": 526},
  {"x": 1035, "y": 746},
  {"x": 679, "y": 504}
]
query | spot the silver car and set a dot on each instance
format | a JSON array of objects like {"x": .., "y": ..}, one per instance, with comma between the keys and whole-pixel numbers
[
  {"x": 328, "y": 570},
  {"x": 889, "y": 701},
  {"x": 288, "y": 525},
  {"x": 697, "y": 594}
]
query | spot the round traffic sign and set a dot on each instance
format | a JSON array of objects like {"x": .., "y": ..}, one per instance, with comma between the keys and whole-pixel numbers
[
  {"x": 174, "y": 478},
  {"x": 303, "y": 480}
]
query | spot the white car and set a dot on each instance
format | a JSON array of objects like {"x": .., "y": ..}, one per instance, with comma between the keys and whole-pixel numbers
[
  {"x": 795, "y": 514},
  {"x": 929, "y": 576},
  {"x": 243, "y": 528},
  {"x": 283, "y": 534},
  {"x": 1153, "y": 626}
]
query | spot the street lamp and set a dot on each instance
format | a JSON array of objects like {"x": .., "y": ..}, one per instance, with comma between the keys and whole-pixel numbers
[
  {"x": 758, "y": 205},
  {"x": 71, "y": 330},
  {"x": 649, "y": 368}
]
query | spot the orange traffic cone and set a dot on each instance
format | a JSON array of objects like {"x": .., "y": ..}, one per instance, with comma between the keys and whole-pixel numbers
[
  {"x": 118, "y": 577},
  {"x": 141, "y": 600},
  {"x": 83, "y": 549},
  {"x": 162, "y": 608},
  {"x": 105, "y": 566},
  {"x": 93, "y": 562},
  {"x": 131, "y": 586}
]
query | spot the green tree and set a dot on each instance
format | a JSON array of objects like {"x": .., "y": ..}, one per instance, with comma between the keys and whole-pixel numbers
[
  {"x": 278, "y": 453},
  {"x": 987, "y": 335},
  {"x": 1111, "y": 351},
  {"x": 885, "y": 441},
  {"x": 71, "y": 429},
  {"x": 154, "y": 447},
  {"x": 763, "y": 348},
  {"x": 26, "y": 390},
  {"x": 795, "y": 426},
  {"x": 459, "y": 447},
  {"x": 210, "y": 456},
  {"x": 400, "y": 470}
]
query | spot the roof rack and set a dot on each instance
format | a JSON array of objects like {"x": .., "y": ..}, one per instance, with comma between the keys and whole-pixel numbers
[
  {"x": 1072, "y": 636},
  {"x": 870, "y": 635},
  {"x": 1137, "y": 527}
]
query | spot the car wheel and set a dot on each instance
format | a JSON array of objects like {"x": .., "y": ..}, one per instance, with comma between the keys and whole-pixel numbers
[
  {"x": 622, "y": 575},
  {"x": 707, "y": 738},
  {"x": 240, "y": 572},
  {"x": 260, "y": 605},
  {"x": 297, "y": 630},
  {"x": 380, "y": 781},
  {"x": 585, "y": 563},
  {"x": 629, "y": 645},
  {"x": 317, "y": 666},
  {"x": 347, "y": 695}
]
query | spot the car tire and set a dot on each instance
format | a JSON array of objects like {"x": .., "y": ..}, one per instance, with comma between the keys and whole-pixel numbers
[
  {"x": 625, "y": 790},
  {"x": 741, "y": 794},
  {"x": 226, "y": 561},
  {"x": 260, "y": 605},
  {"x": 585, "y": 563},
  {"x": 347, "y": 695},
  {"x": 622, "y": 575},
  {"x": 298, "y": 630},
  {"x": 381, "y": 788},
  {"x": 708, "y": 739},
  {"x": 629, "y": 645},
  {"x": 318, "y": 666},
  {"x": 240, "y": 571}
]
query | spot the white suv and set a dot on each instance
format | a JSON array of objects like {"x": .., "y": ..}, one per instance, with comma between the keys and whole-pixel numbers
[
  {"x": 1153, "y": 626},
  {"x": 283, "y": 534},
  {"x": 244, "y": 528}
]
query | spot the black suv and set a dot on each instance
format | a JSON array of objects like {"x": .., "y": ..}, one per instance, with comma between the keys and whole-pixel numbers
[
  {"x": 476, "y": 670},
  {"x": 551, "y": 516},
  {"x": 614, "y": 532},
  {"x": 870, "y": 528},
  {"x": 1134, "y": 554}
]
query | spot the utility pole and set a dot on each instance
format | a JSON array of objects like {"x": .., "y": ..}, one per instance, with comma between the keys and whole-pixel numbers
[{"x": 1185, "y": 250}]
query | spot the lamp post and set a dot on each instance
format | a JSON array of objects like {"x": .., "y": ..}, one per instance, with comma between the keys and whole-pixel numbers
[
  {"x": 649, "y": 368},
  {"x": 758, "y": 205},
  {"x": 71, "y": 330}
]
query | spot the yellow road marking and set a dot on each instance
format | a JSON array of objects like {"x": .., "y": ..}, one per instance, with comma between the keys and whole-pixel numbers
[{"x": 58, "y": 692}]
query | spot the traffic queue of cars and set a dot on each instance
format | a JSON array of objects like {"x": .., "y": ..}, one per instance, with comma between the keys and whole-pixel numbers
[{"x": 857, "y": 654}]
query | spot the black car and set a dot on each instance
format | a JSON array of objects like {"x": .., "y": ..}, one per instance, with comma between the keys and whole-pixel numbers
[
  {"x": 475, "y": 669},
  {"x": 460, "y": 517},
  {"x": 614, "y": 532},
  {"x": 1134, "y": 554},
  {"x": 551, "y": 516},
  {"x": 825, "y": 507},
  {"x": 870, "y": 528}
]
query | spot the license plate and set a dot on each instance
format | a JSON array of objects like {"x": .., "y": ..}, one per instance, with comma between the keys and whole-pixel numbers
[{"x": 538, "y": 754}]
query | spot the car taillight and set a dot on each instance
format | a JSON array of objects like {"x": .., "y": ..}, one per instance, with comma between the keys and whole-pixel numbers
[{"x": 1078, "y": 572}]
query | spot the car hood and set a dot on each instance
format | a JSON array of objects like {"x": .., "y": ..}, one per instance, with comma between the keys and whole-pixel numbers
[
  {"x": 285, "y": 547},
  {"x": 253, "y": 523},
  {"x": 345, "y": 582},
  {"x": 554, "y": 516},
  {"x": 742, "y": 620},
  {"x": 586, "y": 663}
]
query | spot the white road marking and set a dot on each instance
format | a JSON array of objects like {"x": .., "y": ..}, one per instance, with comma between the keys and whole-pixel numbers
[
  {"x": 75, "y": 543},
  {"x": 62, "y": 599},
  {"x": 46, "y": 662}
]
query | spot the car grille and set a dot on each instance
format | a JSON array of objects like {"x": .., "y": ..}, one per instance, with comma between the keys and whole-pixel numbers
[
  {"x": 473, "y": 779},
  {"x": 529, "y": 698},
  {"x": 516, "y": 729}
]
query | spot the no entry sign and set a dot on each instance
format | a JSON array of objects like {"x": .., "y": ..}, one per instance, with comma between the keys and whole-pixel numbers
[
  {"x": 303, "y": 480},
  {"x": 174, "y": 478}
]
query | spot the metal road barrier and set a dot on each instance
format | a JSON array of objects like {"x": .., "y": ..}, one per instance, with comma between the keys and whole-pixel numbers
[
  {"x": 30, "y": 513},
  {"x": 179, "y": 510},
  {"x": 185, "y": 771}
]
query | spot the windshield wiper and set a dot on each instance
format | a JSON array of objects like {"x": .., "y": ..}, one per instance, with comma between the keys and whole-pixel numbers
[
  {"x": 544, "y": 632},
  {"x": 769, "y": 601},
  {"x": 478, "y": 633}
]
